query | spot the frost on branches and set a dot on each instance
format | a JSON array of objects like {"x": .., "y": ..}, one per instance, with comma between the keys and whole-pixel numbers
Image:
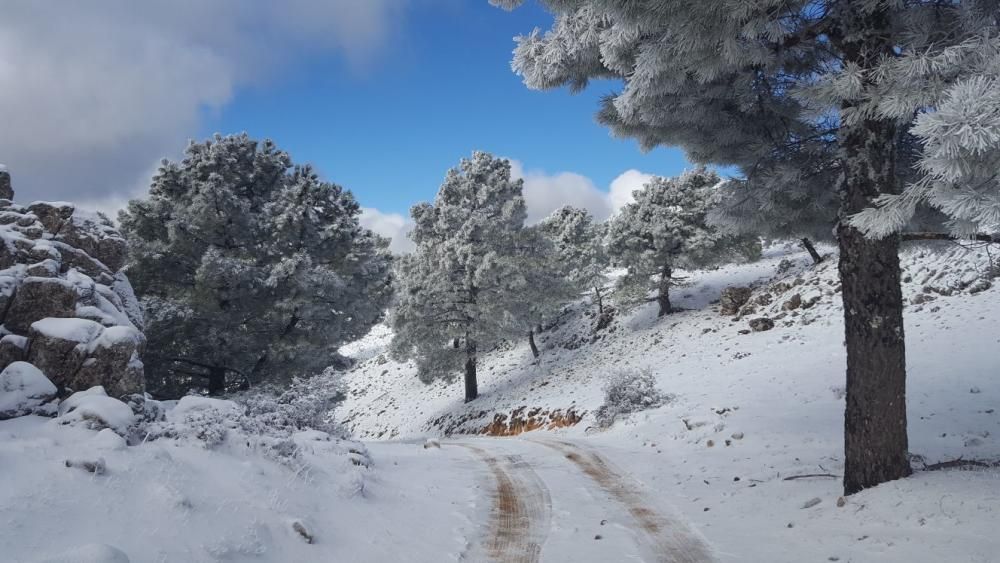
[
  {"x": 665, "y": 229},
  {"x": 250, "y": 269},
  {"x": 808, "y": 99},
  {"x": 468, "y": 285},
  {"x": 579, "y": 250}
]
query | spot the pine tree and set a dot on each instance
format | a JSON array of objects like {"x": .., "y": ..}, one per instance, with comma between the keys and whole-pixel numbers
[
  {"x": 664, "y": 230},
  {"x": 250, "y": 269},
  {"x": 462, "y": 289},
  {"x": 808, "y": 99},
  {"x": 579, "y": 250}
]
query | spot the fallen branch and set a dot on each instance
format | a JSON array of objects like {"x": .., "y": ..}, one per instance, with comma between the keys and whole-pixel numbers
[
  {"x": 956, "y": 463},
  {"x": 946, "y": 236},
  {"x": 808, "y": 475}
]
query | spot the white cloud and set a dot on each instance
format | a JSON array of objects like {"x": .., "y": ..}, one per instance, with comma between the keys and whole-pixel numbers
[
  {"x": 623, "y": 186},
  {"x": 390, "y": 225},
  {"x": 93, "y": 93},
  {"x": 544, "y": 193}
]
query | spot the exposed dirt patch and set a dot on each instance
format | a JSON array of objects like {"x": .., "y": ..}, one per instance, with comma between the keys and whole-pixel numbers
[
  {"x": 519, "y": 518},
  {"x": 522, "y": 420},
  {"x": 518, "y": 421}
]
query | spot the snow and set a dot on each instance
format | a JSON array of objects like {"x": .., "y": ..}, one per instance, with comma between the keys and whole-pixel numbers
[
  {"x": 780, "y": 392},
  {"x": 748, "y": 411},
  {"x": 71, "y": 329},
  {"x": 89, "y": 553},
  {"x": 94, "y": 409},
  {"x": 22, "y": 388},
  {"x": 194, "y": 404}
]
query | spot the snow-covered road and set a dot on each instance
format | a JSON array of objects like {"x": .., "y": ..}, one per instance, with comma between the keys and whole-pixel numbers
[{"x": 556, "y": 500}]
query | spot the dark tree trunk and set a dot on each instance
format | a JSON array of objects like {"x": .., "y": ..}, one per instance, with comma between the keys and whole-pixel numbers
[
  {"x": 875, "y": 441},
  {"x": 663, "y": 292},
  {"x": 216, "y": 381},
  {"x": 811, "y": 250},
  {"x": 600, "y": 301},
  {"x": 531, "y": 342},
  {"x": 471, "y": 385}
]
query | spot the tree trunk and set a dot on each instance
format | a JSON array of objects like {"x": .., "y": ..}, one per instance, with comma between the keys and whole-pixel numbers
[
  {"x": 811, "y": 250},
  {"x": 600, "y": 301},
  {"x": 663, "y": 292},
  {"x": 471, "y": 385},
  {"x": 531, "y": 342},
  {"x": 216, "y": 381},
  {"x": 875, "y": 441}
]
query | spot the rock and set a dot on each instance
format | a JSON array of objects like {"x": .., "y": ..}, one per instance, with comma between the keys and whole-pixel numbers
[
  {"x": 37, "y": 299},
  {"x": 112, "y": 362},
  {"x": 737, "y": 436},
  {"x": 761, "y": 324},
  {"x": 52, "y": 215},
  {"x": 22, "y": 388},
  {"x": 63, "y": 310},
  {"x": 432, "y": 443},
  {"x": 47, "y": 268},
  {"x": 6, "y": 190},
  {"x": 95, "y": 410},
  {"x": 922, "y": 298},
  {"x": 793, "y": 303},
  {"x": 812, "y": 502},
  {"x": 12, "y": 349},
  {"x": 841, "y": 501},
  {"x": 59, "y": 346},
  {"x": 303, "y": 531},
  {"x": 96, "y": 466},
  {"x": 732, "y": 299}
]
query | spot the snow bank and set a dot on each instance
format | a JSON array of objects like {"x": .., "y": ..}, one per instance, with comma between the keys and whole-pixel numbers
[
  {"x": 193, "y": 404},
  {"x": 22, "y": 388},
  {"x": 94, "y": 409}
]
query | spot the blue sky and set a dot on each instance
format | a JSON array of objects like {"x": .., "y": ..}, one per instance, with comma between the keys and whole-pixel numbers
[
  {"x": 382, "y": 96},
  {"x": 440, "y": 88}
]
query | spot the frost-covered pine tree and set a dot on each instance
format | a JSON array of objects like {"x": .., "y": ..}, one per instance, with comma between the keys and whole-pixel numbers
[
  {"x": 250, "y": 269},
  {"x": 547, "y": 288},
  {"x": 461, "y": 291},
  {"x": 821, "y": 93},
  {"x": 665, "y": 229},
  {"x": 580, "y": 253}
]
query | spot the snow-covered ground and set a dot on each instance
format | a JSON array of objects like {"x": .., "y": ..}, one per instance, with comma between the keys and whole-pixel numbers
[
  {"x": 701, "y": 478},
  {"x": 754, "y": 409}
]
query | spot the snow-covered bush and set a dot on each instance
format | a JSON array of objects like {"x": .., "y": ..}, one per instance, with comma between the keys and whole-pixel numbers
[
  {"x": 264, "y": 419},
  {"x": 627, "y": 391},
  {"x": 305, "y": 404}
]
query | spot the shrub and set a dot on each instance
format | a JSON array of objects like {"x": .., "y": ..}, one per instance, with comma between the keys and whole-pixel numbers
[{"x": 627, "y": 391}]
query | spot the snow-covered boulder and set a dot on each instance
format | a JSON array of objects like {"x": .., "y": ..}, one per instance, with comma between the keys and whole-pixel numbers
[
  {"x": 22, "y": 388},
  {"x": 65, "y": 306},
  {"x": 94, "y": 409}
]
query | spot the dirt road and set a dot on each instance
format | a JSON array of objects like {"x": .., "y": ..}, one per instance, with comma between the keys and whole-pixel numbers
[{"x": 555, "y": 500}]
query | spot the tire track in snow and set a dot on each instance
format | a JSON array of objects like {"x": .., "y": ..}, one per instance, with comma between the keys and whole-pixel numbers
[
  {"x": 521, "y": 512},
  {"x": 671, "y": 540}
]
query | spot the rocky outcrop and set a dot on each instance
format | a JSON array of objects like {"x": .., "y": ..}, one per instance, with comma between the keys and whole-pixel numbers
[
  {"x": 732, "y": 299},
  {"x": 65, "y": 306}
]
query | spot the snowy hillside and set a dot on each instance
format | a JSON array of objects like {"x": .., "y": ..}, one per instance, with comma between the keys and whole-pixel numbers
[
  {"x": 742, "y": 463},
  {"x": 751, "y": 409}
]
